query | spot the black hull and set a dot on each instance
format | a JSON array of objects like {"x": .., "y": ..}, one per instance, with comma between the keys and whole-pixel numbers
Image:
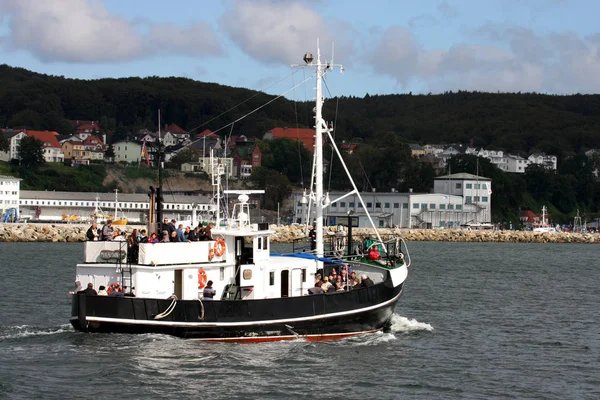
[{"x": 316, "y": 317}]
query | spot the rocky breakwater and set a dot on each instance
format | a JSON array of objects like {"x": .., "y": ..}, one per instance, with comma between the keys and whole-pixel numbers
[
  {"x": 45, "y": 232},
  {"x": 290, "y": 233},
  {"x": 287, "y": 234}
]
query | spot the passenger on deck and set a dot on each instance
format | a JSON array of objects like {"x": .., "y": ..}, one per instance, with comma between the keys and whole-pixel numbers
[
  {"x": 165, "y": 237},
  {"x": 93, "y": 233},
  {"x": 312, "y": 234},
  {"x": 174, "y": 237},
  {"x": 153, "y": 238},
  {"x": 326, "y": 284},
  {"x": 180, "y": 234},
  {"x": 119, "y": 236},
  {"x": 186, "y": 233},
  {"x": 208, "y": 231},
  {"x": 317, "y": 289},
  {"x": 107, "y": 231},
  {"x": 374, "y": 253},
  {"x": 209, "y": 292},
  {"x": 344, "y": 276},
  {"x": 116, "y": 292},
  {"x": 366, "y": 281},
  {"x": 102, "y": 291},
  {"x": 193, "y": 236},
  {"x": 339, "y": 285},
  {"x": 165, "y": 225},
  {"x": 133, "y": 247},
  {"x": 317, "y": 279},
  {"x": 90, "y": 290},
  {"x": 171, "y": 227},
  {"x": 142, "y": 237},
  {"x": 347, "y": 267}
]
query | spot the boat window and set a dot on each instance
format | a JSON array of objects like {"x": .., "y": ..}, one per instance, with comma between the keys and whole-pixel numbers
[
  {"x": 247, "y": 274},
  {"x": 265, "y": 243},
  {"x": 222, "y": 273},
  {"x": 272, "y": 278},
  {"x": 304, "y": 275},
  {"x": 259, "y": 243}
]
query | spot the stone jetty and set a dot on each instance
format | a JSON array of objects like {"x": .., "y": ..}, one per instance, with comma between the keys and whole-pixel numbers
[{"x": 39, "y": 232}]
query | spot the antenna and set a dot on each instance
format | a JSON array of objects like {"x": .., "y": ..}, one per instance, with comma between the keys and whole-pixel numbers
[{"x": 332, "y": 51}]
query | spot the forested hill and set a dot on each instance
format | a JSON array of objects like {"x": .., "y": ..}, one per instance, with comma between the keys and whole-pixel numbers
[{"x": 514, "y": 122}]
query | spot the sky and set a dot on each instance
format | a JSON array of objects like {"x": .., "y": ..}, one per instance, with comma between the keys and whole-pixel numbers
[{"x": 395, "y": 46}]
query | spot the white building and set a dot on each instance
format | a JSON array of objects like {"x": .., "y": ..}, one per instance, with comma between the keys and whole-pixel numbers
[
  {"x": 515, "y": 164},
  {"x": 9, "y": 195},
  {"x": 476, "y": 192},
  {"x": 79, "y": 206},
  {"x": 546, "y": 161},
  {"x": 14, "y": 142},
  {"x": 126, "y": 151},
  {"x": 457, "y": 199}
]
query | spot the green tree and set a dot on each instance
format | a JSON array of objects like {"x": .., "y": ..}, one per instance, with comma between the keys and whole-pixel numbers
[
  {"x": 277, "y": 186},
  {"x": 185, "y": 155},
  {"x": 4, "y": 143},
  {"x": 110, "y": 152},
  {"x": 31, "y": 152},
  {"x": 287, "y": 156}
]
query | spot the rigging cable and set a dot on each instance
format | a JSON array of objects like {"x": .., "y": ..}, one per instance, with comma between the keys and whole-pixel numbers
[
  {"x": 259, "y": 92},
  {"x": 257, "y": 108}
]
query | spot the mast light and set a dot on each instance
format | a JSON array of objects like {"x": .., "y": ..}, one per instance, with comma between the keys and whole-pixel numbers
[{"x": 308, "y": 58}]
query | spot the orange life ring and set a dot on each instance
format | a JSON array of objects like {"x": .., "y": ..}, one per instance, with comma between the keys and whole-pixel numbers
[
  {"x": 219, "y": 247},
  {"x": 113, "y": 286},
  {"x": 201, "y": 278}
]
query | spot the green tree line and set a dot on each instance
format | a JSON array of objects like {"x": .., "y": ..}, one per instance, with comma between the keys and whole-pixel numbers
[{"x": 382, "y": 125}]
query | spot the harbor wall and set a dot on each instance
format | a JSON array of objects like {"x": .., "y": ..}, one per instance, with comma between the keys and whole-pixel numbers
[{"x": 40, "y": 232}]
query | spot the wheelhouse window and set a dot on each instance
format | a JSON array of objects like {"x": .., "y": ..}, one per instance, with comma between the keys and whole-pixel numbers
[{"x": 272, "y": 278}]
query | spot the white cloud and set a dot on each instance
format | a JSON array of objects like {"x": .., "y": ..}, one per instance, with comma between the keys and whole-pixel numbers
[
  {"x": 198, "y": 39},
  {"x": 504, "y": 58},
  {"x": 281, "y": 32},
  {"x": 84, "y": 31}
]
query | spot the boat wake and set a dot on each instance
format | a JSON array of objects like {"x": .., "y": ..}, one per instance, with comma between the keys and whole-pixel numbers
[
  {"x": 404, "y": 325},
  {"x": 23, "y": 331}
]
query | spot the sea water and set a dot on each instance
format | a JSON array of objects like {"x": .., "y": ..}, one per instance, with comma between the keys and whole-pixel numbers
[{"x": 476, "y": 321}]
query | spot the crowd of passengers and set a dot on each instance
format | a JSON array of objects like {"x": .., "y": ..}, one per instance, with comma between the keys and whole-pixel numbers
[
  {"x": 343, "y": 281},
  {"x": 169, "y": 232}
]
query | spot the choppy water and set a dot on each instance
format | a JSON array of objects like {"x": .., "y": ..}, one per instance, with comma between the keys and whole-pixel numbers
[{"x": 477, "y": 321}]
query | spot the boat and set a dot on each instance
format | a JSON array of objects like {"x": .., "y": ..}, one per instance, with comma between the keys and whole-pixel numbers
[
  {"x": 260, "y": 296},
  {"x": 544, "y": 226},
  {"x": 101, "y": 217}
]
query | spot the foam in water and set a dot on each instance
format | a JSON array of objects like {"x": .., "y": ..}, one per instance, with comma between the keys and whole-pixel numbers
[
  {"x": 22, "y": 331},
  {"x": 402, "y": 324}
]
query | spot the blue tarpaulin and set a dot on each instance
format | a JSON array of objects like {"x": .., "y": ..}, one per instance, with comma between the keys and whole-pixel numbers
[{"x": 307, "y": 256}]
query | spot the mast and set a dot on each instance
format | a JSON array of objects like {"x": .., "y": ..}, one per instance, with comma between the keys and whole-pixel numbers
[
  {"x": 318, "y": 147},
  {"x": 159, "y": 198}
]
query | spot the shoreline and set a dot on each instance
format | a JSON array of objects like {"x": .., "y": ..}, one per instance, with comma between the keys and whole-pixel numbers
[{"x": 42, "y": 232}]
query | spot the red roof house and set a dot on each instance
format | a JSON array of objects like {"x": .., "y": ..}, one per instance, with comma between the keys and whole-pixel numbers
[
  {"x": 49, "y": 138},
  {"x": 304, "y": 135},
  {"x": 174, "y": 128}
]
